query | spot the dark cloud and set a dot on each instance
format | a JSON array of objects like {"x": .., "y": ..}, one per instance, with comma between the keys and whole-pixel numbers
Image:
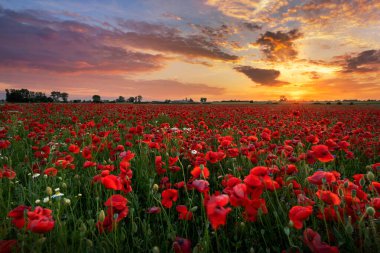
[
  {"x": 252, "y": 26},
  {"x": 146, "y": 28},
  {"x": 366, "y": 61},
  {"x": 279, "y": 46},
  {"x": 29, "y": 42},
  {"x": 262, "y": 76},
  {"x": 37, "y": 40}
]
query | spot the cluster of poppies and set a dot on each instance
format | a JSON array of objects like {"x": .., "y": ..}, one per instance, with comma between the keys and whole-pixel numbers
[{"x": 311, "y": 172}]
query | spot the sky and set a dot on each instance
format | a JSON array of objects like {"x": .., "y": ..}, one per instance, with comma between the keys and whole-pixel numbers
[{"x": 175, "y": 49}]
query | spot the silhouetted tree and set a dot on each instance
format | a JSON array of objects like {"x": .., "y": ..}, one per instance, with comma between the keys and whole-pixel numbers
[
  {"x": 283, "y": 98},
  {"x": 96, "y": 99},
  {"x": 64, "y": 96},
  {"x": 55, "y": 95},
  {"x": 139, "y": 98},
  {"x": 203, "y": 100},
  {"x": 131, "y": 99},
  {"x": 121, "y": 99},
  {"x": 25, "y": 96}
]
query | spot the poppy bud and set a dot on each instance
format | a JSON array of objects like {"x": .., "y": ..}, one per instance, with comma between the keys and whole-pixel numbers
[
  {"x": 102, "y": 216},
  {"x": 362, "y": 181},
  {"x": 291, "y": 224},
  {"x": 49, "y": 191},
  {"x": 89, "y": 243},
  {"x": 370, "y": 176},
  {"x": 66, "y": 201},
  {"x": 370, "y": 211},
  {"x": 345, "y": 184},
  {"x": 194, "y": 208},
  {"x": 64, "y": 185},
  {"x": 353, "y": 193},
  {"x": 340, "y": 192},
  {"x": 349, "y": 228},
  {"x": 155, "y": 187},
  {"x": 41, "y": 240},
  {"x": 156, "y": 249}
]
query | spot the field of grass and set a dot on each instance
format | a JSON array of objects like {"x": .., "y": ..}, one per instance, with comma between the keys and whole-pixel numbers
[{"x": 189, "y": 178}]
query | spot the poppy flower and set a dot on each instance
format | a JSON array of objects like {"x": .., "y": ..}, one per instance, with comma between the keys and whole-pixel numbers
[
  {"x": 320, "y": 176},
  {"x": 328, "y": 197},
  {"x": 112, "y": 182},
  {"x": 298, "y": 214},
  {"x": 201, "y": 185},
  {"x": 197, "y": 171},
  {"x": 216, "y": 211},
  {"x": 153, "y": 210},
  {"x": 182, "y": 245},
  {"x": 321, "y": 152},
  {"x": 40, "y": 220},
  {"x": 51, "y": 171},
  {"x": 117, "y": 202},
  {"x": 8, "y": 246},
  {"x": 313, "y": 240},
  {"x": 18, "y": 216},
  {"x": 168, "y": 196},
  {"x": 184, "y": 214},
  {"x": 74, "y": 149}
]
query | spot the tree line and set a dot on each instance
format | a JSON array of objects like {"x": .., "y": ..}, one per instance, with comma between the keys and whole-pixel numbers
[{"x": 27, "y": 96}]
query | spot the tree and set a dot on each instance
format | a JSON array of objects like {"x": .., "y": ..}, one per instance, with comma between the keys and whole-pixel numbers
[
  {"x": 96, "y": 99},
  {"x": 139, "y": 98},
  {"x": 121, "y": 99},
  {"x": 55, "y": 95},
  {"x": 131, "y": 99},
  {"x": 283, "y": 98},
  {"x": 64, "y": 96},
  {"x": 203, "y": 100}
]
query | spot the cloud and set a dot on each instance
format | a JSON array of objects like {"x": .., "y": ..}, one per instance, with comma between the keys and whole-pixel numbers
[
  {"x": 312, "y": 74},
  {"x": 37, "y": 40},
  {"x": 262, "y": 76},
  {"x": 171, "y": 16},
  {"x": 251, "y": 26},
  {"x": 366, "y": 61},
  {"x": 29, "y": 42},
  {"x": 279, "y": 46},
  {"x": 205, "y": 44}
]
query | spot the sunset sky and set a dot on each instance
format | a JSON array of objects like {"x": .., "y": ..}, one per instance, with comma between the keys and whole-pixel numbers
[{"x": 172, "y": 49}]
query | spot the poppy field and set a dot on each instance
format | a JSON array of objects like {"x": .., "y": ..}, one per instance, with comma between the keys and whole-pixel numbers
[{"x": 189, "y": 178}]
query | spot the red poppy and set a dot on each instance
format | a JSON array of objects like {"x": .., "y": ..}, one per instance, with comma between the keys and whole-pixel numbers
[
  {"x": 201, "y": 185},
  {"x": 313, "y": 240},
  {"x": 216, "y": 212},
  {"x": 51, "y": 171},
  {"x": 112, "y": 182},
  {"x": 184, "y": 214},
  {"x": 298, "y": 214},
  {"x": 168, "y": 196},
  {"x": 328, "y": 197},
  {"x": 198, "y": 171},
  {"x": 40, "y": 220},
  {"x": 182, "y": 245},
  {"x": 321, "y": 152},
  {"x": 320, "y": 176},
  {"x": 74, "y": 149},
  {"x": 18, "y": 216},
  {"x": 8, "y": 246}
]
